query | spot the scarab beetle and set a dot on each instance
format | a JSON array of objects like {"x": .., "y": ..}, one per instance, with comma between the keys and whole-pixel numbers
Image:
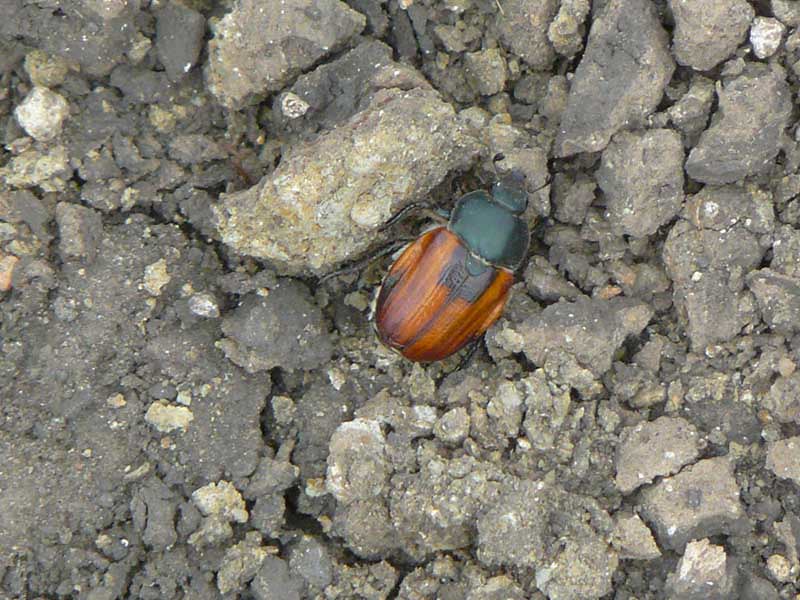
[{"x": 448, "y": 286}]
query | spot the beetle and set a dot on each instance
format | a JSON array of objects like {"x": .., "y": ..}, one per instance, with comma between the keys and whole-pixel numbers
[{"x": 451, "y": 284}]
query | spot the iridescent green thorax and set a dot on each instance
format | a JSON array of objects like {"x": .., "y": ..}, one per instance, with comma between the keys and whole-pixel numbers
[{"x": 490, "y": 226}]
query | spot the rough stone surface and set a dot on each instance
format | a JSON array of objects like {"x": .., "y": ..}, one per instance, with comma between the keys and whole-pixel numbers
[
  {"x": 258, "y": 48},
  {"x": 325, "y": 201},
  {"x": 783, "y": 398},
  {"x": 591, "y": 330},
  {"x": 620, "y": 79},
  {"x": 436, "y": 509},
  {"x": 565, "y": 31},
  {"x": 786, "y": 249},
  {"x": 522, "y": 26},
  {"x": 707, "y": 256},
  {"x": 42, "y": 113},
  {"x": 766, "y": 34},
  {"x": 285, "y": 329},
  {"x": 778, "y": 298},
  {"x": 706, "y": 33},
  {"x": 179, "y": 38},
  {"x": 357, "y": 465},
  {"x": 453, "y": 426},
  {"x": 783, "y": 458},
  {"x": 166, "y": 418},
  {"x": 702, "y": 500},
  {"x": 642, "y": 177},
  {"x": 486, "y": 71},
  {"x": 570, "y": 556},
  {"x": 703, "y": 572},
  {"x": 80, "y": 231},
  {"x": 221, "y": 499},
  {"x": 275, "y": 582},
  {"x": 654, "y": 449},
  {"x": 240, "y": 563},
  {"x": 633, "y": 540},
  {"x": 745, "y": 133}
]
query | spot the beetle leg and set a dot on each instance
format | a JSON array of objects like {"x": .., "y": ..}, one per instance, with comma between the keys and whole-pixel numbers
[
  {"x": 469, "y": 354},
  {"x": 437, "y": 214},
  {"x": 360, "y": 264}
]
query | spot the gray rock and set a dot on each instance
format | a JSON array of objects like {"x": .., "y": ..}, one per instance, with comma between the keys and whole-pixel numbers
[
  {"x": 620, "y": 79},
  {"x": 453, "y": 426},
  {"x": 787, "y": 11},
  {"x": 701, "y": 501},
  {"x": 703, "y": 573},
  {"x": 142, "y": 86},
  {"x": 378, "y": 580},
  {"x": 179, "y": 38},
  {"x": 96, "y": 36},
  {"x": 567, "y": 29},
  {"x": 275, "y": 582},
  {"x": 654, "y": 449},
  {"x": 778, "y": 298},
  {"x": 708, "y": 257},
  {"x": 632, "y": 539},
  {"x": 283, "y": 329},
  {"x": 240, "y": 563},
  {"x": 258, "y": 48},
  {"x": 269, "y": 515},
  {"x": 271, "y": 477},
  {"x": 193, "y": 148},
  {"x": 522, "y": 27},
  {"x": 326, "y": 200},
  {"x": 79, "y": 230},
  {"x": 757, "y": 588},
  {"x": 486, "y": 71},
  {"x": 501, "y": 587},
  {"x": 690, "y": 112},
  {"x": 785, "y": 250},
  {"x": 545, "y": 283},
  {"x": 706, "y": 33},
  {"x": 310, "y": 560},
  {"x": 590, "y": 329},
  {"x": 436, "y": 508},
  {"x": 22, "y": 206},
  {"x": 745, "y": 133},
  {"x": 572, "y": 196},
  {"x": 642, "y": 176},
  {"x": 636, "y": 386},
  {"x": 366, "y": 528},
  {"x": 338, "y": 89},
  {"x": 783, "y": 398},
  {"x": 153, "y": 509},
  {"x": 571, "y": 557},
  {"x": 358, "y": 468},
  {"x": 547, "y": 408},
  {"x": 783, "y": 458}
]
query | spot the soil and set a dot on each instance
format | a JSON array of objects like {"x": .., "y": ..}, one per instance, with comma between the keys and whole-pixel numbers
[{"x": 190, "y": 408}]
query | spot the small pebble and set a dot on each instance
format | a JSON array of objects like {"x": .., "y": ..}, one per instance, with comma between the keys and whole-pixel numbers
[
  {"x": 779, "y": 567},
  {"x": 7, "y": 264},
  {"x": 453, "y": 426},
  {"x": 165, "y": 417},
  {"x": 293, "y": 106},
  {"x": 765, "y": 36},
  {"x": 204, "y": 305},
  {"x": 42, "y": 113}
]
